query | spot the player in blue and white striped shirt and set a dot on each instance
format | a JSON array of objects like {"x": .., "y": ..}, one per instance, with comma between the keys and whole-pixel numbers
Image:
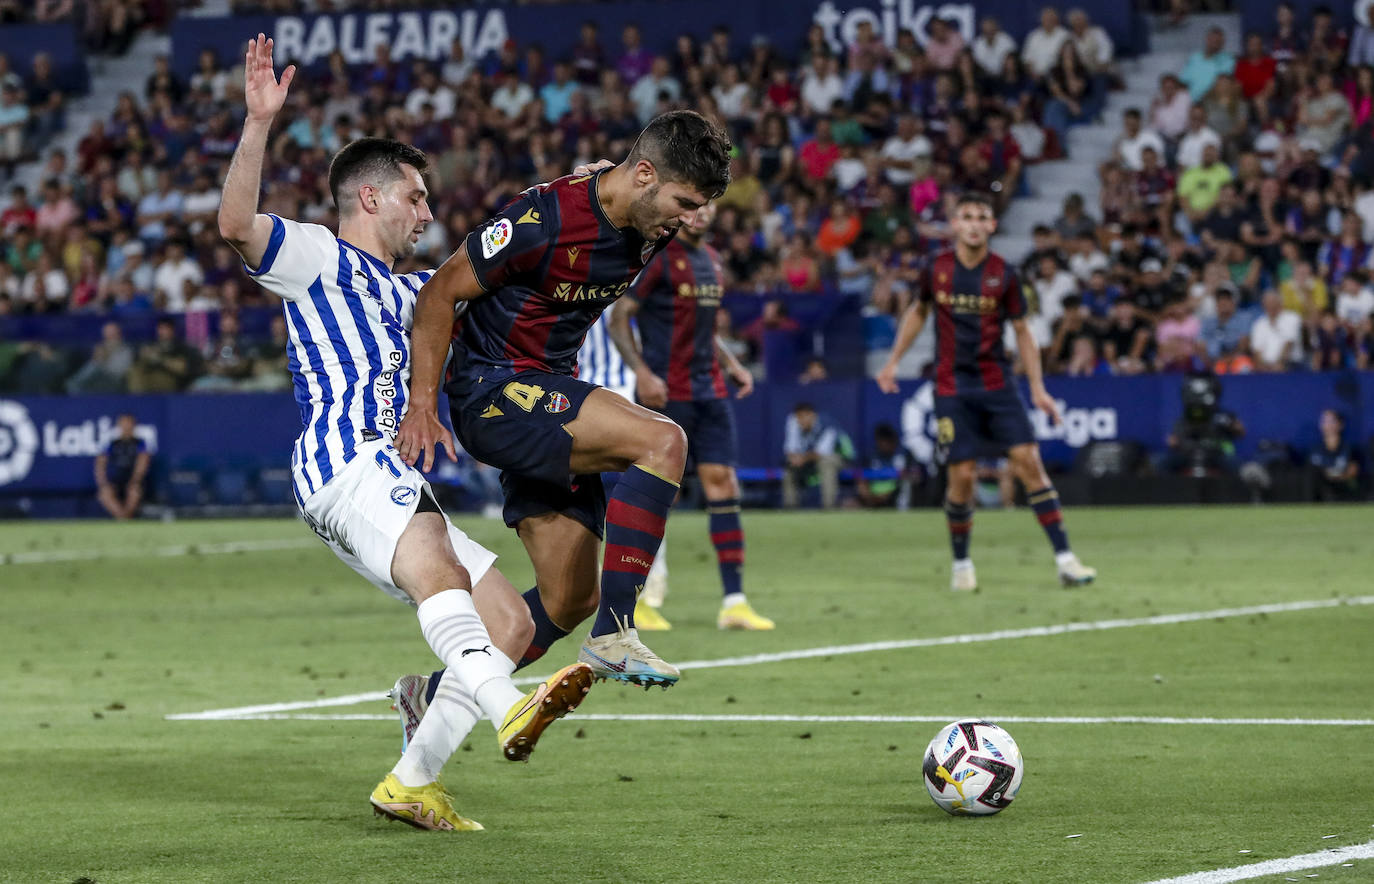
[{"x": 349, "y": 318}]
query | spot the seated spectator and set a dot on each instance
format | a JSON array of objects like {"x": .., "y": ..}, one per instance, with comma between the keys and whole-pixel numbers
[
  {"x": 814, "y": 372},
  {"x": 1195, "y": 137},
  {"x": 1028, "y": 134},
  {"x": 839, "y": 229},
  {"x": 1041, "y": 50},
  {"x": 1255, "y": 69},
  {"x": 45, "y": 287},
  {"x": 14, "y": 123},
  {"x": 1347, "y": 252},
  {"x": 774, "y": 318},
  {"x": 1228, "y": 114},
  {"x": 227, "y": 362},
  {"x": 1276, "y": 336},
  {"x": 943, "y": 44},
  {"x": 120, "y": 471},
  {"x": 1335, "y": 462},
  {"x": 1324, "y": 116},
  {"x": 1305, "y": 293},
  {"x": 1053, "y": 285},
  {"x": 1333, "y": 348},
  {"x": 1071, "y": 97},
  {"x": 167, "y": 365},
  {"x": 906, "y": 155},
  {"x": 1223, "y": 222},
  {"x": 1155, "y": 188},
  {"x": 1355, "y": 299},
  {"x": 992, "y": 46},
  {"x": 1098, "y": 294},
  {"x": 1134, "y": 140},
  {"x": 1169, "y": 109},
  {"x": 45, "y": 99},
  {"x": 108, "y": 368},
  {"x": 19, "y": 214},
  {"x": 1074, "y": 222},
  {"x": 1227, "y": 329},
  {"x": 812, "y": 454},
  {"x": 900, "y": 471},
  {"x": 1206, "y": 64},
  {"x": 175, "y": 272},
  {"x": 1154, "y": 290},
  {"x": 1092, "y": 43},
  {"x": 1200, "y": 186},
  {"x": 1074, "y": 323},
  {"x": 57, "y": 211},
  {"x": 1003, "y": 156},
  {"x": 159, "y": 208},
  {"x": 1178, "y": 337},
  {"x": 1125, "y": 340},
  {"x": 41, "y": 370}
]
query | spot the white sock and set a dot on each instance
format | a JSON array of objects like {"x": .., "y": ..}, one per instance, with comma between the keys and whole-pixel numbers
[
  {"x": 963, "y": 564},
  {"x": 455, "y": 632},
  {"x": 1064, "y": 558},
  {"x": 732, "y": 599},
  {"x": 450, "y": 718}
]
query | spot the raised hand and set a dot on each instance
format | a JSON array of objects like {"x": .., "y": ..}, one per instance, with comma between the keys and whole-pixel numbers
[{"x": 261, "y": 91}]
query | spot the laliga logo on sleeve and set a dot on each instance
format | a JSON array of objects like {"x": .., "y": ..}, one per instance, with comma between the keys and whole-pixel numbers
[
  {"x": 496, "y": 237},
  {"x": 18, "y": 442}
]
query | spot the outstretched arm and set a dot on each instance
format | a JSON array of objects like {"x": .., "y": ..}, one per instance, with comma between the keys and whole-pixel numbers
[
  {"x": 1030, "y": 364},
  {"x": 239, "y": 222}
]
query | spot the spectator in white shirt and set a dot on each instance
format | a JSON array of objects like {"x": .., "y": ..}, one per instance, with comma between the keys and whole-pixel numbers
[
  {"x": 172, "y": 275},
  {"x": 159, "y": 207},
  {"x": 1134, "y": 139},
  {"x": 1052, "y": 285},
  {"x": 433, "y": 92},
  {"x": 1169, "y": 110},
  {"x": 512, "y": 95},
  {"x": 907, "y": 152},
  {"x": 647, "y": 89},
  {"x": 811, "y": 448},
  {"x": 1094, "y": 46},
  {"x": 1041, "y": 49},
  {"x": 732, "y": 94},
  {"x": 991, "y": 46},
  {"x": 1355, "y": 301},
  {"x": 1196, "y": 137},
  {"x": 1276, "y": 336},
  {"x": 459, "y": 66}
]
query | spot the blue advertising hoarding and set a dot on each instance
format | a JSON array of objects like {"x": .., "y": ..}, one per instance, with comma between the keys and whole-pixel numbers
[{"x": 48, "y": 443}]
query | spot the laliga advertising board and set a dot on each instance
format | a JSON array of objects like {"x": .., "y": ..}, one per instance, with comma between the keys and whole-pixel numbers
[{"x": 46, "y": 444}]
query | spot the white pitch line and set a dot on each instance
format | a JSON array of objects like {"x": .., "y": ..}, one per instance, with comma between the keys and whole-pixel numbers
[
  {"x": 1316, "y": 860},
  {"x": 839, "y": 719},
  {"x": 842, "y": 650},
  {"x": 50, "y": 556}
]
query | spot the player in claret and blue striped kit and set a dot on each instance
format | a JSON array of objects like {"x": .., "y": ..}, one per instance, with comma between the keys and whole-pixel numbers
[
  {"x": 535, "y": 278},
  {"x": 677, "y": 367},
  {"x": 973, "y": 293}
]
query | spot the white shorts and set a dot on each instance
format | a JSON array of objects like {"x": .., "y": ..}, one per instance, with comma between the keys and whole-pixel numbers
[{"x": 361, "y": 512}]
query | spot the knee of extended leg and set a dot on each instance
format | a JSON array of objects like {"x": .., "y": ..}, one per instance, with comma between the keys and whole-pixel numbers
[{"x": 669, "y": 442}]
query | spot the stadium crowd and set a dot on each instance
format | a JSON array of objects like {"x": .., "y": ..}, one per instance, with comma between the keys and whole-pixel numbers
[{"x": 1233, "y": 230}]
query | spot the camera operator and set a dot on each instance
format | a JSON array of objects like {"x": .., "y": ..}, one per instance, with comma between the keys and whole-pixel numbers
[{"x": 1203, "y": 441}]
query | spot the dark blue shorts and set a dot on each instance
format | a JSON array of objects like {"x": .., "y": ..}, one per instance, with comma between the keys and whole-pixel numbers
[
  {"x": 710, "y": 428},
  {"x": 970, "y": 426},
  {"x": 518, "y": 425}
]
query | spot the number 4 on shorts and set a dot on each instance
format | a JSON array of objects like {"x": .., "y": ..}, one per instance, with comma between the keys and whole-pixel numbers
[{"x": 526, "y": 396}]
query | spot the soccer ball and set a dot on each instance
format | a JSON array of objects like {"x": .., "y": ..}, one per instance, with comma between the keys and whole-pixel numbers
[{"x": 973, "y": 767}]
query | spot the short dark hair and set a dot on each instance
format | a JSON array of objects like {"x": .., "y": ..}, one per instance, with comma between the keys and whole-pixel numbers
[
  {"x": 803, "y": 406},
  {"x": 371, "y": 158},
  {"x": 686, "y": 148},
  {"x": 977, "y": 198},
  {"x": 885, "y": 431}
]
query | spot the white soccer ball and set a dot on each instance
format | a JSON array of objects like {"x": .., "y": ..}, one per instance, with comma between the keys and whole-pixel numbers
[{"x": 973, "y": 767}]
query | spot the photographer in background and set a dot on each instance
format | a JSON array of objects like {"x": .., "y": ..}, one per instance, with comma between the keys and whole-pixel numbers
[
  {"x": 120, "y": 470},
  {"x": 1203, "y": 441},
  {"x": 1335, "y": 462}
]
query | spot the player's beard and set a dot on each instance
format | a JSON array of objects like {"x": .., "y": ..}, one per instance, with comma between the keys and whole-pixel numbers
[{"x": 644, "y": 214}]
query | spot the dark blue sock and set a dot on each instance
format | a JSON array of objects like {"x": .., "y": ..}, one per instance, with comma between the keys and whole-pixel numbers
[
  {"x": 546, "y": 632},
  {"x": 960, "y": 519},
  {"x": 635, "y": 518},
  {"x": 727, "y": 536},
  {"x": 1045, "y": 503}
]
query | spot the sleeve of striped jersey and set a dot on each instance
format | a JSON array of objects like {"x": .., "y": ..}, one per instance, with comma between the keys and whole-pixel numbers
[
  {"x": 294, "y": 258},
  {"x": 1013, "y": 296},
  {"x": 509, "y": 244}
]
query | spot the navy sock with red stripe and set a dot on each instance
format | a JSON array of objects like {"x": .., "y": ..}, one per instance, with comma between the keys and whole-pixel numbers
[
  {"x": 546, "y": 632},
  {"x": 635, "y": 518},
  {"x": 960, "y": 519},
  {"x": 1045, "y": 503},
  {"x": 727, "y": 536}
]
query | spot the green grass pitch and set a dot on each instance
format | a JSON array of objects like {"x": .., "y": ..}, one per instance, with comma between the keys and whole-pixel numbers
[{"x": 97, "y": 785}]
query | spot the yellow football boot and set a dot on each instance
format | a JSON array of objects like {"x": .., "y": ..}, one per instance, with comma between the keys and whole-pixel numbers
[
  {"x": 424, "y": 807},
  {"x": 649, "y": 619},
  {"x": 741, "y": 616},
  {"x": 549, "y": 701}
]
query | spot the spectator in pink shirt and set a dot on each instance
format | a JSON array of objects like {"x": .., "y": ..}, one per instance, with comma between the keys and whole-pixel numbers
[
  {"x": 57, "y": 210},
  {"x": 818, "y": 155},
  {"x": 1177, "y": 337},
  {"x": 944, "y": 46}
]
